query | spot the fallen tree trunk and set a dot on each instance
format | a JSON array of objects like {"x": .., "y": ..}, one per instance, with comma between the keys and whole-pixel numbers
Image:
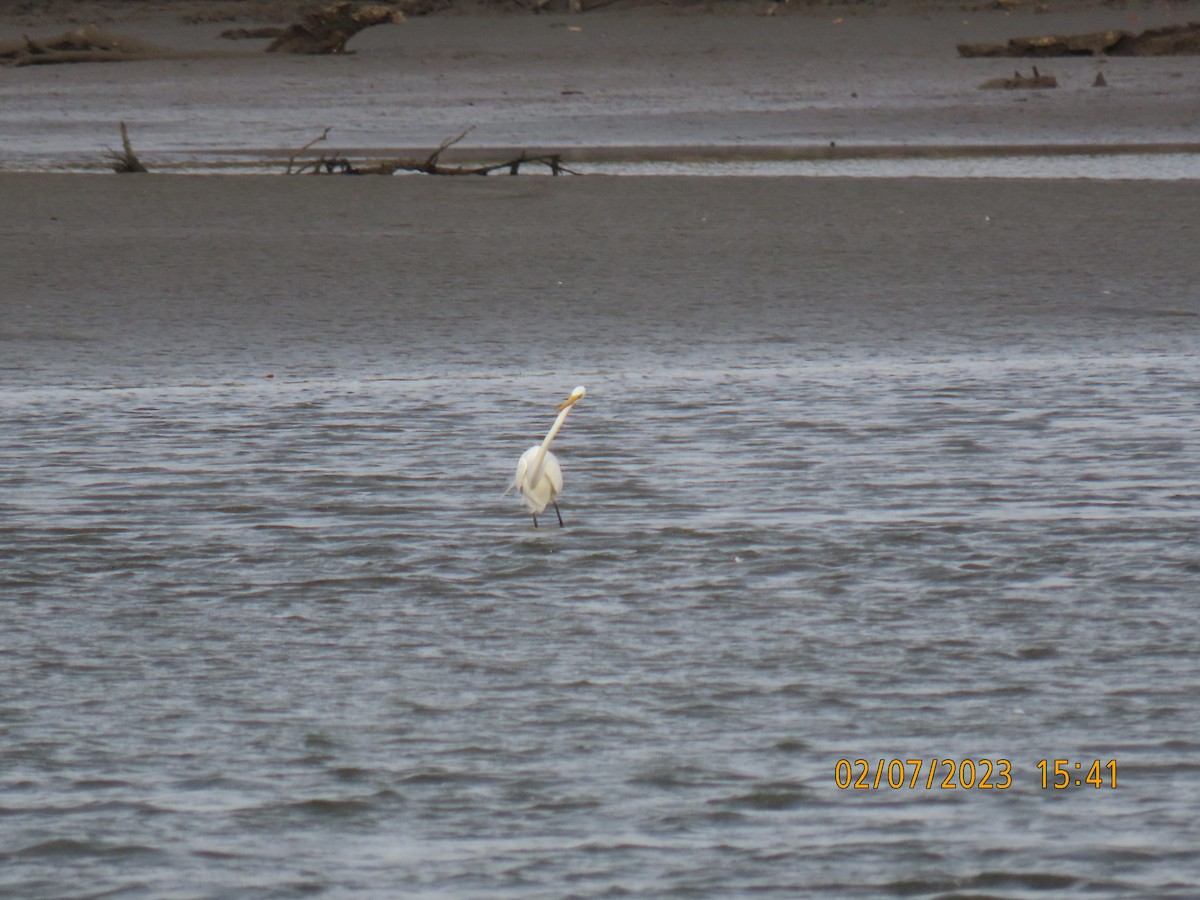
[
  {"x": 327, "y": 30},
  {"x": 1173, "y": 40}
]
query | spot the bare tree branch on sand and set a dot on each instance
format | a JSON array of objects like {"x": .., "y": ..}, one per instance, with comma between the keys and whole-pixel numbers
[{"x": 430, "y": 165}]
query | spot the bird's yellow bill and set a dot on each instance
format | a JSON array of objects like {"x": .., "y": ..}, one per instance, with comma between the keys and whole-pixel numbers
[{"x": 570, "y": 401}]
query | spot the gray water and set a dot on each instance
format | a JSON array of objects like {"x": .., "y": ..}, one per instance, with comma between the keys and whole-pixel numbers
[{"x": 270, "y": 628}]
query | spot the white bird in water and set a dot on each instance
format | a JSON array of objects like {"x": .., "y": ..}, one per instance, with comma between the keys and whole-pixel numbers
[{"x": 539, "y": 476}]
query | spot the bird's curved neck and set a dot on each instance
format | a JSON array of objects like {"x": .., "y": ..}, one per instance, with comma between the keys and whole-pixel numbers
[{"x": 538, "y": 460}]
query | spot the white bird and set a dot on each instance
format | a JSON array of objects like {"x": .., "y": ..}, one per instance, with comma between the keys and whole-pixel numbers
[{"x": 539, "y": 476}]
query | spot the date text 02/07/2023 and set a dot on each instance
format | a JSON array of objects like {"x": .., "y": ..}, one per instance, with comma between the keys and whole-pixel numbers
[{"x": 968, "y": 774}]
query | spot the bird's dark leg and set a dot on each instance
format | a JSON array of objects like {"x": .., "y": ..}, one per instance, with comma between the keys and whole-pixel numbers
[
  {"x": 535, "y": 525},
  {"x": 557, "y": 513}
]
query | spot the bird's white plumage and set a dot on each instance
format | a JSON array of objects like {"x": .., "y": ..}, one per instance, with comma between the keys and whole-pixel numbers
[
  {"x": 539, "y": 476},
  {"x": 538, "y": 495}
]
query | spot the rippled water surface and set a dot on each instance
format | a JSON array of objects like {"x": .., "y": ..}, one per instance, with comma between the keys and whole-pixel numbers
[{"x": 271, "y": 629}]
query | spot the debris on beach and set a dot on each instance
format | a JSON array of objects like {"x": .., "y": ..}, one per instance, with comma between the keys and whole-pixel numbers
[
  {"x": 1019, "y": 82},
  {"x": 126, "y": 162},
  {"x": 430, "y": 165},
  {"x": 1171, "y": 40},
  {"x": 325, "y": 31}
]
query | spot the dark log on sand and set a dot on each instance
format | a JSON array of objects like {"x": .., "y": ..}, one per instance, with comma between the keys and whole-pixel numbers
[
  {"x": 1173, "y": 40},
  {"x": 327, "y": 30}
]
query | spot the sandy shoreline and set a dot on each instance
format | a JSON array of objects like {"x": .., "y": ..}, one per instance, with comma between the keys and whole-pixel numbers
[{"x": 817, "y": 82}]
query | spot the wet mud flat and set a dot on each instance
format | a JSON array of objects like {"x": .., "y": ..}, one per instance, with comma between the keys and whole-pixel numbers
[{"x": 130, "y": 264}]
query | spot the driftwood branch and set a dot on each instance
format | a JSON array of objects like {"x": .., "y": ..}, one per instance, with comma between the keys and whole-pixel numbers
[
  {"x": 340, "y": 165},
  {"x": 430, "y": 165},
  {"x": 449, "y": 142},
  {"x": 327, "y": 30},
  {"x": 126, "y": 162},
  {"x": 292, "y": 159}
]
